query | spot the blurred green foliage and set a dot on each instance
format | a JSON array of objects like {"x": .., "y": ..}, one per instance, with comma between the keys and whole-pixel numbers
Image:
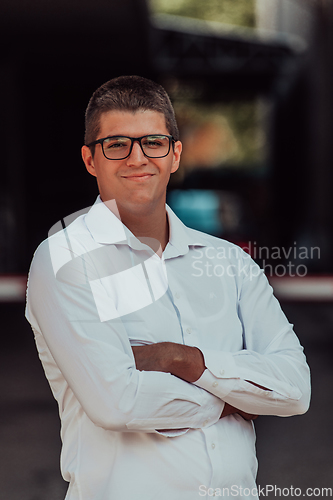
[
  {"x": 236, "y": 12},
  {"x": 241, "y": 120},
  {"x": 241, "y": 124}
]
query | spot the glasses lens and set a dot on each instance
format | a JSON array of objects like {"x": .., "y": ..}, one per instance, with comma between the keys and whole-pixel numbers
[
  {"x": 155, "y": 146},
  {"x": 116, "y": 148}
]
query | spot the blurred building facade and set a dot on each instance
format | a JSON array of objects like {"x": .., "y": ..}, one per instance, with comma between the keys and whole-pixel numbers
[
  {"x": 55, "y": 55},
  {"x": 292, "y": 17}
]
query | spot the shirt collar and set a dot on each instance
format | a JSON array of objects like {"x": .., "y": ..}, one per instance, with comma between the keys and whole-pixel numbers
[
  {"x": 103, "y": 225},
  {"x": 181, "y": 237},
  {"x": 106, "y": 228}
]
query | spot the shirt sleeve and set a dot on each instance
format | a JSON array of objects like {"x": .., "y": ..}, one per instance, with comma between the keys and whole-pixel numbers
[
  {"x": 272, "y": 357},
  {"x": 94, "y": 360}
]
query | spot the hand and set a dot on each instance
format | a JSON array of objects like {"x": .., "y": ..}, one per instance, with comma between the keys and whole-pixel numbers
[
  {"x": 183, "y": 361},
  {"x": 230, "y": 410}
]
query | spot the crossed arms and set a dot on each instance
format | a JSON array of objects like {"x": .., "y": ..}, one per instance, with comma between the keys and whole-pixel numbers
[
  {"x": 183, "y": 361},
  {"x": 159, "y": 386}
]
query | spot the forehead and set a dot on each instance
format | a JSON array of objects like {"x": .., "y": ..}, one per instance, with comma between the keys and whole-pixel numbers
[{"x": 133, "y": 124}]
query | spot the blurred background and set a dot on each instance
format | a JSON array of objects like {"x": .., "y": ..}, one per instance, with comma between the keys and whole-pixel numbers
[{"x": 251, "y": 82}]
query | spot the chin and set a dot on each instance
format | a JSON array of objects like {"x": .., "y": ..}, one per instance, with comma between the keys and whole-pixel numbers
[{"x": 140, "y": 205}]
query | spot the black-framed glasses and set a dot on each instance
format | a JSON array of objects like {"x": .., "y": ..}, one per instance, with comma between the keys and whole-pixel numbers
[{"x": 119, "y": 147}]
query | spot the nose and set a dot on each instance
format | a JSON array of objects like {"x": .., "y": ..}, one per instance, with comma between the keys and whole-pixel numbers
[{"x": 137, "y": 157}]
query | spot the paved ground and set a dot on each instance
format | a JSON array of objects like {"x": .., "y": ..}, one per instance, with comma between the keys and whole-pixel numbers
[
  {"x": 297, "y": 451},
  {"x": 292, "y": 452}
]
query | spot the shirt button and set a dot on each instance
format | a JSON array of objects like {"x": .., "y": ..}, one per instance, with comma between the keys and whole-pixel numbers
[
  {"x": 188, "y": 330},
  {"x": 213, "y": 445},
  {"x": 222, "y": 372},
  {"x": 215, "y": 384},
  {"x": 205, "y": 423}
]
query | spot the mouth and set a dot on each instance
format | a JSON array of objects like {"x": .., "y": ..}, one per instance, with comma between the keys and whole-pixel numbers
[{"x": 138, "y": 177}]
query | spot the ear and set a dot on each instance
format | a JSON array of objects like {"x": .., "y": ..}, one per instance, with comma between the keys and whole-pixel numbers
[
  {"x": 88, "y": 160},
  {"x": 177, "y": 150}
]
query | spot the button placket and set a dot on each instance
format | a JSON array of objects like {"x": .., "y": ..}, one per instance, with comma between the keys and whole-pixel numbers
[
  {"x": 212, "y": 440},
  {"x": 185, "y": 311}
]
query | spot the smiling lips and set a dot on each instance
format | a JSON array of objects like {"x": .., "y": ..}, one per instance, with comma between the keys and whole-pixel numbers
[{"x": 138, "y": 177}]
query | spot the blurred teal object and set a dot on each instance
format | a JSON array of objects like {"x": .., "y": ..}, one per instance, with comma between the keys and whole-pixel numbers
[{"x": 198, "y": 209}]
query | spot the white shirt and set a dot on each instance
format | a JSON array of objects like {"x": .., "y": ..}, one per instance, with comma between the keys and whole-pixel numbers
[{"x": 95, "y": 290}]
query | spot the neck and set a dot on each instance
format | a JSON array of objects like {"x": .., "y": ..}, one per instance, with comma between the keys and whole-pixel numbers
[{"x": 145, "y": 225}]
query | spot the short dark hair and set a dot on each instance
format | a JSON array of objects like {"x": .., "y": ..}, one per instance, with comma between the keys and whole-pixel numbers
[{"x": 128, "y": 93}]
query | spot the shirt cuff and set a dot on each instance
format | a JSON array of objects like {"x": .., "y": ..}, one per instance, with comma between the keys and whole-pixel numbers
[
  {"x": 208, "y": 413},
  {"x": 220, "y": 375},
  {"x": 172, "y": 432},
  {"x": 213, "y": 414},
  {"x": 221, "y": 364}
]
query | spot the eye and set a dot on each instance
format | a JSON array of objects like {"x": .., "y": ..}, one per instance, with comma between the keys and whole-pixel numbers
[
  {"x": 155, "y": 141},
  {"x": 116, "y": 142}
]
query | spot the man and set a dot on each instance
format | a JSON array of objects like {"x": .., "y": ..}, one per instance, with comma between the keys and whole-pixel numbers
[{"x": 158, "y": 364}]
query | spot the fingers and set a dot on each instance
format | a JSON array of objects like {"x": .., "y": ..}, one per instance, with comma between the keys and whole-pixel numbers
[
  {"x": 247, "y": 416},
  {"x": 230, "y": 410}
]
